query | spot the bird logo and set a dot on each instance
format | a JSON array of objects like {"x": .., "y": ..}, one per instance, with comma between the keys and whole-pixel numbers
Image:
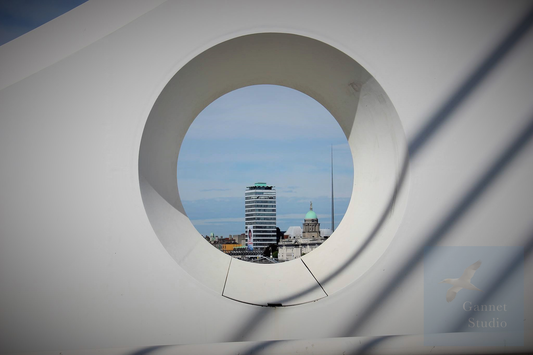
[{"x": 462, "y": 282}]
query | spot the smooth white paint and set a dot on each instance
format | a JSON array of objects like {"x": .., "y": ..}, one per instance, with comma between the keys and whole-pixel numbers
[
  {"x": 82, "y": 266},
  {"x": 363, "y": 111}
]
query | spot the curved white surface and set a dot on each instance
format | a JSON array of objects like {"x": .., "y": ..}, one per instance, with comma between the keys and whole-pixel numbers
[
  {"x": 361, "y": 108},
  {"x": 82, "y": 266}
]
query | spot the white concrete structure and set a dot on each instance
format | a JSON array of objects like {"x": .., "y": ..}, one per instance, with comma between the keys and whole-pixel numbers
[{"x": 96, "y": 251}]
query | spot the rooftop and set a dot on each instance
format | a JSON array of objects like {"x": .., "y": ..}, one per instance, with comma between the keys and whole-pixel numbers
[
  {"x": 311, "y": 214},
  {"x": 260, "y": 186}
]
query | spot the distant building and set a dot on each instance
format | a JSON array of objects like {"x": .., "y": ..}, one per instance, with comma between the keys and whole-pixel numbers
[
  {"x": 224, "y": 244},
  {"x": 297, "y": 243},
  {"x": 239, "y": 238},
  {"x": 243, "y": 253},
  {"x": 311, "y": 225},
  {"x": 293, "y": 232},
  {"x": 227, "y": 247},
  {"x": 260, "y": 215}
]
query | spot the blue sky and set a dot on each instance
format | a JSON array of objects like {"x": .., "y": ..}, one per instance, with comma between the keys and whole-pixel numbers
[
  {"x": 263, "y": 133},
  {"x": 20, "y": 16}
]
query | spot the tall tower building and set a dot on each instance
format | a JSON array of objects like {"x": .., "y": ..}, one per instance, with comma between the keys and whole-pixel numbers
[{"x": 260, "y": 215}]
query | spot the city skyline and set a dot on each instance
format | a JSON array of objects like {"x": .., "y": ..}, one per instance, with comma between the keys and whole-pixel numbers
[{"x": 230, "y": 146}]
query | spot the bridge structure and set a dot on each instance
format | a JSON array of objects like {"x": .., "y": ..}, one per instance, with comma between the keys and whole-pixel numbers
[{"x": 97, "y": 252}]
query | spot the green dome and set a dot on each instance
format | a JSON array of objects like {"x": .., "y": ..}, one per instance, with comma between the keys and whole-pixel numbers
[{"x": 311, "y": 215}]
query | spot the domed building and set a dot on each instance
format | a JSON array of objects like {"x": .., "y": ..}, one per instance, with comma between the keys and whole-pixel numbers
[
  {"x": 295, "y": 245},
  {"x": 311, "y": 225}
]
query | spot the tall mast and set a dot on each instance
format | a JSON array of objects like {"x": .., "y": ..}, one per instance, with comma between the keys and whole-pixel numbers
[{"x": 332, "y": 198}]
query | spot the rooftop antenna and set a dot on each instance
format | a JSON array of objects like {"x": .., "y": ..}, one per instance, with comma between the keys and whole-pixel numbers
[{"x": 332, "y": 198}]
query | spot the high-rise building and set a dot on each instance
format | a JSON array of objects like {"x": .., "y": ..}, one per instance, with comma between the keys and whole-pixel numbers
[{"x": 260, "y": 215}]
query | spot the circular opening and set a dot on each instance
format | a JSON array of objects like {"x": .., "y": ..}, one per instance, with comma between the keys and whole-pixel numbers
[
  {"x": 271, "y": 134},
  {"x": 368, "y": 120}
]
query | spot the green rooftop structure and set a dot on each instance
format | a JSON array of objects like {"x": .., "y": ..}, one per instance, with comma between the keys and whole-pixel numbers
[
  {"x": 311, "y": 214},
  {"x": 311, "y": 226}
]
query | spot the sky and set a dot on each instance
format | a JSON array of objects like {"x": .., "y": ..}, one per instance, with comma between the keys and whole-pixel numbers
[
  {"x": 263, "y": 133},
  {"x": 20, "y": 16}
]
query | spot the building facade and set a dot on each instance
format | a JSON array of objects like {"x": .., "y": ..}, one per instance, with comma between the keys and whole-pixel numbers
[
  {"x": 311, "y": 225},
  {"x": 260, "y": 215},
  {"x": 239, "y": 238},
  {"x": 296, "y": 244}
]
